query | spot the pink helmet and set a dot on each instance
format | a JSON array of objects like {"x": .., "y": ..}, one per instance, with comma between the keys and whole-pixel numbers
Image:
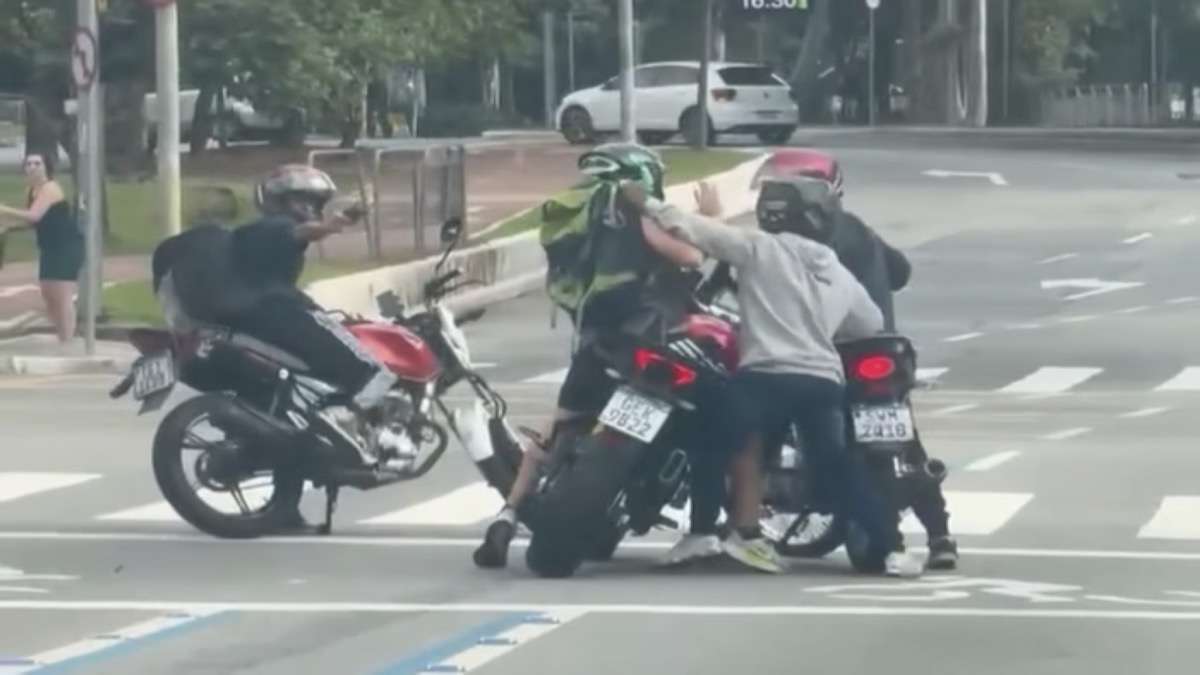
[{"x": 801, "y": 162}]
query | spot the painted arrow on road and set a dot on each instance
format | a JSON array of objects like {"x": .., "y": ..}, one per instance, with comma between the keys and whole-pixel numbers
[
  {"x": 1092, "y": 286},
  {"x": 997, "y": 179}
]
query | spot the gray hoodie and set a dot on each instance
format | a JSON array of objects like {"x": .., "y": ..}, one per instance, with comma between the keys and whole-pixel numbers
[{"x": 794, "y": 295}]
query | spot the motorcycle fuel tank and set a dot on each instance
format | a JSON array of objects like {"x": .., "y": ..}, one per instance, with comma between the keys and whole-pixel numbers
[{"x": 402, "y": 351}]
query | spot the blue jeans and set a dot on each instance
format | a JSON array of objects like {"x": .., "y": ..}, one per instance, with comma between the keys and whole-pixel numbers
[{"x": 815, "y": 406}]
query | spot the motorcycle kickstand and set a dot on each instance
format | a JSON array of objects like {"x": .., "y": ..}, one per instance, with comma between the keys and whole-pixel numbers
[{"x": 331, "y": 498}]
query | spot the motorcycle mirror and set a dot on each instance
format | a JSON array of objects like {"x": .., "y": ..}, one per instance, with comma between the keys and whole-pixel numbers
[{"x": 451, "y": 230}]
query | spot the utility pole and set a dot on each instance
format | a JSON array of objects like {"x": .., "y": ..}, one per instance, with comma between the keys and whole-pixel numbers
[
  {"x": 166, "y": 40},
  {"x": 702, "y": 91},
  {"x": 628, "y": 104},
  {"x": 872, "y": 104},
  {"x": 981, "y": 95},
  {"x": 1006, "y": 58},
  {"x": 85, "y": 70},
  {"x": 1155, "y": 96},
  {"x": 570, "y": 50},
  {"x": 548, "y": 66}
]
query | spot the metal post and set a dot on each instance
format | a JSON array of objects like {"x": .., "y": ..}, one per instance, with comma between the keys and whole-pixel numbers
[
  {"x": 548, "y": 67},
  {"x": 702, "y": 89},
  {"x": 570, "y": 50},
  {"x": 871, "y": 102},
  {"x": 981, "y": 96},
  {"x": 1155, "y": 94},
  {"x": 1006, "y": 49},
  {"x": 760, "y": 30},
  {"x": 166, "y": 22},
  {"x": 88, "y": 112},
  {"x": 628, "y": 104}
]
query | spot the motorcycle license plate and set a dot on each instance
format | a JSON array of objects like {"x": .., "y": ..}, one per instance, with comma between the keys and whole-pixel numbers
[
  {"x": 883, "y": 424},
  {"x": 152, "y": 374},
  {"x": 635, "y": 415}
]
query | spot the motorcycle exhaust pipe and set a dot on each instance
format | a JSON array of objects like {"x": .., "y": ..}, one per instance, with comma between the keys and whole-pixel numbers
[
  {"x": 260, "y": 430},
  {"x": 936, "y": 470}
]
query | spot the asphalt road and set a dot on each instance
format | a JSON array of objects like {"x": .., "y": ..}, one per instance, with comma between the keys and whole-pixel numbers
[{"x": 1066, "y": 423}]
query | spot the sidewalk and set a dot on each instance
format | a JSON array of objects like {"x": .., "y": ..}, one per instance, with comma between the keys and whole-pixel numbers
[{"x": 42, "y": 355}]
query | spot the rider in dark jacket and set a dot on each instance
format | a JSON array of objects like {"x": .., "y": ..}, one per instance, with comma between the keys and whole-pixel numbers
[{"x": 882, "y": 270}]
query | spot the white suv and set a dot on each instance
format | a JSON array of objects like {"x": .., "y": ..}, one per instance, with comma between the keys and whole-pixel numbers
[{"x": 744, "y": 98}]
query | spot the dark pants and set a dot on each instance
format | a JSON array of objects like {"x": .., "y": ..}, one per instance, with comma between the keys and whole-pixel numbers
[
  {"x": 928, "y": 502},
  {"x": 300, "y": 327},
  {"x": 815, "y": 406},
  {"x": 717, "y": 429}
]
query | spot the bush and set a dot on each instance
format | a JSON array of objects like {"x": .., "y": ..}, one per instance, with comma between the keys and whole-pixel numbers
[{"x": 452, "y": 120}]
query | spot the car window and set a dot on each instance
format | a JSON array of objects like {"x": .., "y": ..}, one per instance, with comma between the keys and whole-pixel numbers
[
  {"x": 673, "y": 76},
  {"x": 645, "y": 77},
  {"x": 750, "y": 76}
]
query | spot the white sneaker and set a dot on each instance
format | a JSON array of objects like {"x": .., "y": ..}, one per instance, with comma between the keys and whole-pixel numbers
[
  {"x": 757, "y": 553},
  {"x": 693, "y": 547},
  {"x": 904, "y": 565}
]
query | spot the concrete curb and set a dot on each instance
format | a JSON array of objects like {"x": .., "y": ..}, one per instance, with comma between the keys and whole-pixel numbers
[{"x": 65, "y": 365}]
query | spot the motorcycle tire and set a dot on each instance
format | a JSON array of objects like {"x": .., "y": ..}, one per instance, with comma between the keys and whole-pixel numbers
[
  {"x": 604, "y": 548},
  {"x": 175, "y": 487}
]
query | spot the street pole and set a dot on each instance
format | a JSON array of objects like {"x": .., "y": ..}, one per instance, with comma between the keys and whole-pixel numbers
[
  {"x": 702, "y": 90},
  {"x": 1155, "y": 97},
  {"x": 548, "y": 66},
  {"x": 89, "y": 99},
  {"x": 872, "y": 103},
  {"x": 628, "y": 104},
  {"x": 570, "y": 50},
  {"x": 981, "y": 113},
  {"x": 1006, "y": 50},
  {"x": 166, "y": 40}
]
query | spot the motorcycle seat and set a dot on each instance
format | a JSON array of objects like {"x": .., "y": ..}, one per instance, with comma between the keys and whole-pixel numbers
[{"x": 268, "y": 351}]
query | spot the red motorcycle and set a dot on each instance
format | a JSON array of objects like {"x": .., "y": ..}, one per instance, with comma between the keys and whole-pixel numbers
[{"x": 273, "y": 427}]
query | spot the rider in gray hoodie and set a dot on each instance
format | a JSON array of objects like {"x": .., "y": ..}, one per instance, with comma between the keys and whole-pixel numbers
[{"x": 795, "y": 297}]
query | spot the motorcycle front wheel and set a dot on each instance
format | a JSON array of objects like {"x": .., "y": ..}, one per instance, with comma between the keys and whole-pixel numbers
[{"x": 220, "y": 479}]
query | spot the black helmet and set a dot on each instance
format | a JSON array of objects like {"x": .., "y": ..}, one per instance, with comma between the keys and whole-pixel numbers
[
  {"x": 296, "y": 190},
  {"x": 798, "y": 204},
  {"x": 626, "y": 161}
]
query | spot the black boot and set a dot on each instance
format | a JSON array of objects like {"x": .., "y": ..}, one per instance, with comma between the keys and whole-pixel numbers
[
  {"x": 943, "y": 554},
  {"x": 493, "y": 552}
]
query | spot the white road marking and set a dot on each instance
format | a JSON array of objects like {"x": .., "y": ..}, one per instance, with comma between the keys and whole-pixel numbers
[
  {"x": 1058, "y": 258},
  {"x": 375, "y": 541},
  {"x": 963, "y": 337},
  {"x": 995, "y": 178},
  {"x": 1133, "y": 310},
  {"x": 1079, "y": 318},
  {"x": 1144, "y": 412},
  {"x": 493, "y": 647},
  {"x": 1095, "y": 286},
  {"x": 954, "y": 409},
  {"x": 1188, "y": 220},
  {"x": 1051, "y": 380},
  {"x": 1137, "y": 238},
  {"x": 1067, "y": 434},
  {"x": 106, "y": 641},
  {"x": 1024, "y": 326},
  {"x": 1188, "y": 379},
  {"x": 1182, "y": 301},
  {"x": 975, "y": 513},
  {"x": 552, "y": 377},
  {"x": 931, "y": 373},
  {"x": 1176, "y": 518},
  {"x": 581, "y": 609},
  {"x": 161, "y": 512},
  {"x": 992, "y": 461},
  {"x": 17, "y": 484},
  {"x": 465, "y": 506}
]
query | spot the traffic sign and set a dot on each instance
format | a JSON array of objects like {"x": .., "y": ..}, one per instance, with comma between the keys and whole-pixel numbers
[
  {"x": 873, "y": 5},
  {"x": 83, "y": 58}
]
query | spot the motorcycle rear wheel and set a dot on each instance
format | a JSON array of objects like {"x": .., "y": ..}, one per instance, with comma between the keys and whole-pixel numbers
[{"x": 176, "y": 489}]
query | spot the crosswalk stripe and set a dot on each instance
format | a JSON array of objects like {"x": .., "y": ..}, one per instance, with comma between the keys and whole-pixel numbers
[
  {"x": 1176, "y": 518},
  {"x": 17, "y": 484},
  {"x": 975, "y": 513},
  {"x": 161, "y": 512},
  {"x": 552, "y": 377},
  {"x": 465, "y": 506},
  {"x": 1051, "y": 380},
  {"x": 1188, "y": 379},
  {"x": 931, "y": 373}
]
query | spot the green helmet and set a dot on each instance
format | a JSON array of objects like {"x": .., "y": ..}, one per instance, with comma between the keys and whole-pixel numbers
[{"x": 625, "y": 161}]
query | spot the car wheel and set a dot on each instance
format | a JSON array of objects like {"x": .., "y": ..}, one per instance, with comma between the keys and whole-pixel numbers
[{"x": 577, "y": 126}]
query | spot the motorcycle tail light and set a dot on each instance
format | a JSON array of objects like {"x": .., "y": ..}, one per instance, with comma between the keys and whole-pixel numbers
[
  {"x": 874, "y": 368},
  {"x": 659, "y": 367}
]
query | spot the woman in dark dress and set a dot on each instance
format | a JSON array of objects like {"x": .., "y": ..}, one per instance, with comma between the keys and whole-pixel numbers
[{"x": 59, "y": 242}]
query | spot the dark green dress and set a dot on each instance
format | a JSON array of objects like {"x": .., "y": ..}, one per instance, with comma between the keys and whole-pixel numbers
[{"x": 59, "y": 242}]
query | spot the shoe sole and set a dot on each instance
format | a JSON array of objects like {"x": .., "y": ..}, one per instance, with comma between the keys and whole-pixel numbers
[{"x": 756, "y": 564}]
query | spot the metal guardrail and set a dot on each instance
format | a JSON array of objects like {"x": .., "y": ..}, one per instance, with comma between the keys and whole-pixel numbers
[{"x": 1120, "y": 105}]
